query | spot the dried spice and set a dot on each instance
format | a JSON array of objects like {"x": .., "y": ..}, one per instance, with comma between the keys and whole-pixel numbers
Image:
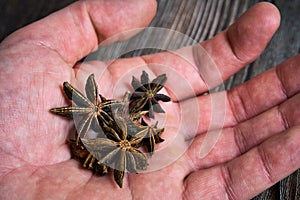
[
  {"x": 120, "y": 127},
  {"x": 88, "y": 161},
  {"x": 122, "y": 152},
  {"x": 145, "y": 97},
  {"x": 152, "y": 136},
  {"x": 87, "y": 109}
]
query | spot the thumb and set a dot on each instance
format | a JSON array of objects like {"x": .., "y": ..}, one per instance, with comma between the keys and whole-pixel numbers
[{"x": 76, "y": 30}]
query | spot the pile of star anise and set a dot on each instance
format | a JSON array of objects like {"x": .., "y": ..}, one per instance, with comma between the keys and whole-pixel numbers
[{"x": 121, "y": 131}]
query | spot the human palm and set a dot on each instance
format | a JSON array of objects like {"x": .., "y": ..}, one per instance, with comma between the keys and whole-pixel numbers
[{"x": 258, "y": 146}]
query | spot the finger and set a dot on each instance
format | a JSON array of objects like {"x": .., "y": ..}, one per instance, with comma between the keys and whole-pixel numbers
[
  {"x": 253, "y": 172},
  {"x": 181, "y": 65},
  {"x": 75, "y": 31},
  {"x": 275, "y": 86},
  {"x": 248, "y": 99},
  {"x": 230, "y": 50},
  {"x": 234, "y": 141}
]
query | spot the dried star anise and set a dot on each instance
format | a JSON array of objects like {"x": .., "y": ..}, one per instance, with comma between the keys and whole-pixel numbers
[
  {"x": 88, "y": 109},
  {"x": 120, "y": 127},
  {"x": 152, "y": 135},
  {"x": 145, "y": 97},
  {"x": 80, "y": 153},
  {"x": 121, "y": 152}
]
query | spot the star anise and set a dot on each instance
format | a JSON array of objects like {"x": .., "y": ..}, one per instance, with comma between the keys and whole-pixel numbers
[
  {"x": 120, "y": 151},
  {"x": 120, "y": 127},
  {"x": 145, "y": 97},
  {"x": 87, "y": 109},
  {"x": 80, "y": 153},
  {"x": 152, "y": 135}
]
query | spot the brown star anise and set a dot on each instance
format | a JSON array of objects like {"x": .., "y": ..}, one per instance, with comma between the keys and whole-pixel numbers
[
  {"x": 145, "y": 97},
  {"x": 120, "y": 127},
  {"x": 88, "y": 109},
  {"x": 152, "y": 135},
  {"x": 80, "y": 153},
  {"x": 121, "y": 151}
]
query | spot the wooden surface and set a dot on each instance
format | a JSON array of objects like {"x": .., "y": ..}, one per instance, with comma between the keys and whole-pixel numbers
[{"x": 199, "y": 19}]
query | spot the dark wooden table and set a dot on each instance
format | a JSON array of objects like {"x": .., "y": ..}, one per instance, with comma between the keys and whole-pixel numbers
[{"x": 199, "y": 19}]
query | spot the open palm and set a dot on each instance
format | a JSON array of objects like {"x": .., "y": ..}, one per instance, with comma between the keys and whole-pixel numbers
[{"x": 259, "y": 144}]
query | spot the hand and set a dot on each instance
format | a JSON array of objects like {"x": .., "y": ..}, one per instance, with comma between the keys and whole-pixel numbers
[{"x": 259, "y": 144}]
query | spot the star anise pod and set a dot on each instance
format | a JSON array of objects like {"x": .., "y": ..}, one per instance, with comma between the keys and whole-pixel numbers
[
  {"x": 120, "y": 151},
  {"x": 145, "y": 97},
  {"x": 152, "y": 135},
  {"x": 87, "y": 109},
  {"x": 80, "y": 153},
  {"x": 120, "y": 127}
]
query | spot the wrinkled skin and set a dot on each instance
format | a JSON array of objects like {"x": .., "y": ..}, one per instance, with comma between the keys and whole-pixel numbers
[{"x": 259, "y": 144}]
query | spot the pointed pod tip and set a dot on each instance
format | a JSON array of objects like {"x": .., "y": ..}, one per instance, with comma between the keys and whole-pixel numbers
[
  {"x": 55, "y": 110},
  {"x": 134, "y": 80},
  {"x": 66, "y": 83},
  {"x": 144, "y": 72},
  {"x": 118, "y": 176},
  {"x": 120, "y": 184},
  {"x": 91, "y": 76},
  {"x": 163, "y": 75}
]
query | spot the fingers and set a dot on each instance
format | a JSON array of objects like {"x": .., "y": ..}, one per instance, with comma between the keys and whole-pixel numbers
[
  {"x": 230, "y": 50},
  {"x": 75, "y": 31},
  {"x": 247, "y": 100},
  {"x": 276, "y": 130},
  {"x": 234, "y": 141},
  {"x": 246, "y": 38},
  {"x": 266, "y": 90},
  {"x": 253, "y": 172},
  {"x": 268, "y": 105}
]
